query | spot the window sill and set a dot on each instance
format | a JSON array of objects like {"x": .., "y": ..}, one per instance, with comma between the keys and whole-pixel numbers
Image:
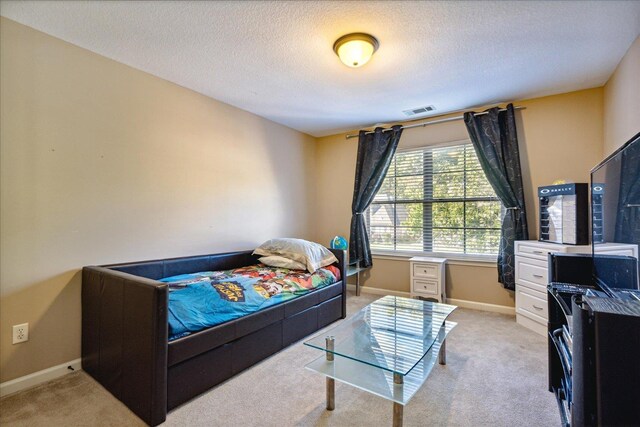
[{"x": 452, "y": 259}]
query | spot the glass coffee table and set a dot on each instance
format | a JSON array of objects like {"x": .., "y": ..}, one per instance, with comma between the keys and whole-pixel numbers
[{"x": 388, "y": 348}]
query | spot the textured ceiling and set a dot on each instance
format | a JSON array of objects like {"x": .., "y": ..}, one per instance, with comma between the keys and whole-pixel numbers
[{"x": 275, "y": 59}]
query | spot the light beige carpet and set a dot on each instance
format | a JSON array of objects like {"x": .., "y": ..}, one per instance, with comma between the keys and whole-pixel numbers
[{"x": 496, "y": 375}]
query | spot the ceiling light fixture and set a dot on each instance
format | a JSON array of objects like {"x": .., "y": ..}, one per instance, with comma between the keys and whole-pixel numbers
[{"x": 355, "y": 49}]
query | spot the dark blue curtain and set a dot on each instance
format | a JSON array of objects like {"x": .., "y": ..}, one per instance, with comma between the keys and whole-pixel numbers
[
  {"x": 493, "y": 134},
  {"x": 375, "y": 152}
]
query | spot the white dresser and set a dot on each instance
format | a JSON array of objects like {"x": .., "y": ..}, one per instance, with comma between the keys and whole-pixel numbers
[
  {"x": 617, "y": 249},
  {"x": 427, "y": 278},
  {"x": 532, "y": 276}
]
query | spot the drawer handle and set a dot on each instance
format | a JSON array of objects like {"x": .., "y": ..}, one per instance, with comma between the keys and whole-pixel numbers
[
  {"x": 538, "y": 252},
  {"x": 537, "y": 308},
  {"x": 539, "y": 276}
]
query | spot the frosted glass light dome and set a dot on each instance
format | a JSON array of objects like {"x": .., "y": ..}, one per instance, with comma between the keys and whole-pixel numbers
[{"x": 355, "y": 49}]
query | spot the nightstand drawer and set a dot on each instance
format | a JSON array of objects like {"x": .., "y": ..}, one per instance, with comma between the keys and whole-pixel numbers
[
  {"x": 426, "y": 270},
  {"x": 425, "y": 287}
]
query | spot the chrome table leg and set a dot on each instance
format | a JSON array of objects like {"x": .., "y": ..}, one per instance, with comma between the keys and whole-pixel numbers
[
  {"x": 397, "y": 408},
  {"x": 442, "y": 355},
  {"x": 331, "y": 383},
  {"x": 331, "y": 394}
]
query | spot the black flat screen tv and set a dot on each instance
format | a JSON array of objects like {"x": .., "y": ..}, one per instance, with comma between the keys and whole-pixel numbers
[{"x": 615, "y": 220}]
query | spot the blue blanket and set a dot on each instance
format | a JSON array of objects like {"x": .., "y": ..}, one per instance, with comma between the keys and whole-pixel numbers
[{"x": 201, "y": 300}]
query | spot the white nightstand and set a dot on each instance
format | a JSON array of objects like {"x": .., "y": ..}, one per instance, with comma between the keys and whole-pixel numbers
[{"x": 427, "y": 278}]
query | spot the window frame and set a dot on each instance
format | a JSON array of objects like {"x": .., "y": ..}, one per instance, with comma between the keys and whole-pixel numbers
[{"x": 455, "y": 256}]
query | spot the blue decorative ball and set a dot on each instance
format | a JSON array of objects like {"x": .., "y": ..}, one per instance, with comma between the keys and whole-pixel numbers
[{"x": 339, "y": 242}]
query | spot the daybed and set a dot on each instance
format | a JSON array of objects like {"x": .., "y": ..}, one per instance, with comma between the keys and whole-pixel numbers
[{"x": 125, "y": 343}]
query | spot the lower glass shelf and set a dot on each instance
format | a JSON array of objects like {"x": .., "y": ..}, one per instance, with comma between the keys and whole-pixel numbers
[
  {"x": 380, "y": 381},
  {"x": 352, "y": 269}
]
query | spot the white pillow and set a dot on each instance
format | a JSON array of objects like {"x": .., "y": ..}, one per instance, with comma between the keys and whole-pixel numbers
[
  {"x": 282, "y": 262},
  {"x": 311, "y": 254}
]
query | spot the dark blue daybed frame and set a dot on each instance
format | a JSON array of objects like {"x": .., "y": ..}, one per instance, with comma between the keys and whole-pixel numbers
[{"x": 125, "y": 343}]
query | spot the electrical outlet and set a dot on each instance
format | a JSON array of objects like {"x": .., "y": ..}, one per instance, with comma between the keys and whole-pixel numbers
[{"x": 20, "y": 333}]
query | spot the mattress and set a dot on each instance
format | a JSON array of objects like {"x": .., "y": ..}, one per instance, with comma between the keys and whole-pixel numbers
[{"x": 204, "y": 299}]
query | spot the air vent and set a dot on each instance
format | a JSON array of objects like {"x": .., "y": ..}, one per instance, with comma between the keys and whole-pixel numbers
[{"x": 419, "y": 110}]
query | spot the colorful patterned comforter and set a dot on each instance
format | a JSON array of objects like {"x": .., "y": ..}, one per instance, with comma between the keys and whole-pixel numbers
[{"x": 201, "y": 300}]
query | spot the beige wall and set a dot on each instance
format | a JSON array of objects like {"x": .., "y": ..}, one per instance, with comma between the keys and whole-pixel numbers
[
  {"x": 560, "y": 138},
  {"x": 622, "y": 101},
  {"x": 102, "y": 163}
]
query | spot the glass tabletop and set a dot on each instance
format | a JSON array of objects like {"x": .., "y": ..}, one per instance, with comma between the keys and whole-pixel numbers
[{"x": 392, "y": 333}]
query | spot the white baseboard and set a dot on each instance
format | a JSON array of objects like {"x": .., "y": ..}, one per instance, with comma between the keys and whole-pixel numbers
[
  {"x": 503, "y": 309},
  {"x": 378, "y": 291},
  {"x": 13, "y": 386}
]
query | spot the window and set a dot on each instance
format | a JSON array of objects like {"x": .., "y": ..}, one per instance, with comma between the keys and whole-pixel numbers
[{"x": 436, "y": 200}]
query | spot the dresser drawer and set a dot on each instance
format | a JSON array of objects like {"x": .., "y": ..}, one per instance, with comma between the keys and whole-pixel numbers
[
  {"x": 531, "y": 304},
  {"x": 431, "y": 271},
  {"x": 425, "y": 287},
  {"x": 532, "y": 273},
  {"x": 625, "y": 251},
  {"x": 535, "y": 250}
]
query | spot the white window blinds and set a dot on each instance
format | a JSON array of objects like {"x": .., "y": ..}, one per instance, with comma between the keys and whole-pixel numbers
[{"x": 436, "y": 200}]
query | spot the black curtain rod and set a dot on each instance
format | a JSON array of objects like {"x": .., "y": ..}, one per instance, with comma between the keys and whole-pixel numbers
[{"x": 433, "y": 122}]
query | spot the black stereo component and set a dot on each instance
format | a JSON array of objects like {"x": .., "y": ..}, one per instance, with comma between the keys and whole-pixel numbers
[{"x": 594, "y": 345}]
